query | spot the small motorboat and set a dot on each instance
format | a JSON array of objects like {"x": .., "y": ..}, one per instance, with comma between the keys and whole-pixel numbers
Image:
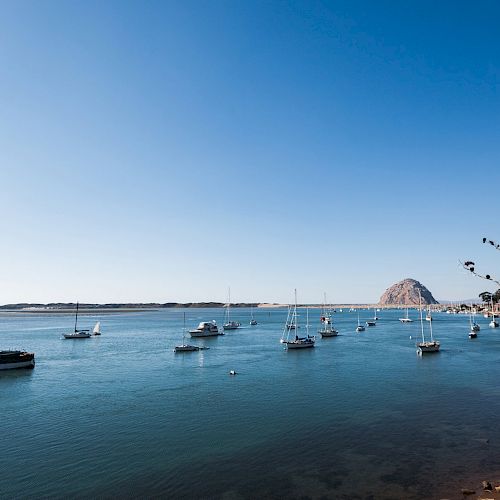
[{"x": 371, "y": 323}]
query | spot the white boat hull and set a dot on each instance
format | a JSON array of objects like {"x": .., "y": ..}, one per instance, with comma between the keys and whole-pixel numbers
[{"x": 196, "y": 334}]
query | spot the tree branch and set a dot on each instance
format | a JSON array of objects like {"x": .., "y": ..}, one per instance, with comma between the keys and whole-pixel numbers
[{"x": 469, "y": 266}]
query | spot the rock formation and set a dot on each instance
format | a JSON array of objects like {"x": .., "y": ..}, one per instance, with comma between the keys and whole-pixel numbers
[{"x": 406, "y": 292}]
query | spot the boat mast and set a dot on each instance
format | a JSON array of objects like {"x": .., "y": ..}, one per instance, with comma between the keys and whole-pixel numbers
[
  {"x": 184, "y": 329},
  {"x": 228, "y": 304},
  {"x": 307, "y": 321},
  {"x": 430, "y": 327},
  {"x": 421, "y": 317},
  {"x": 294, "y": 321},
  {"x": 76, "y": 316}
]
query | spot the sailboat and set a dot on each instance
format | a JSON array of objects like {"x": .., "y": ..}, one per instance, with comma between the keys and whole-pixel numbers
[
  {"x": 327, "y": 329},
  {"x": 228, "y": 324},
  {"x": 428, "y": 316},
  {"x": 371, "y": 322},
  {"x": 292, "y": 324},
  {"x": 77, "y": 334},
  {"x": 253, "y": 321},
  {"x": 474, "y": 328},
  {"x": 360, "y": 327},
  {"x": 325, "y": 317},
  {"x": 375, "y": 317},
  {"x": 426, "y": 345},
  {"x": 493, "y": 323},
  {"x": 97, "y": 329},
  {"x": 406, "y": 319},
  {"x": 185, "y": 347}
]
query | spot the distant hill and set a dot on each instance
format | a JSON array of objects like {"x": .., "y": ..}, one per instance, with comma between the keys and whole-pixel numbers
[
  {"x": 406, "y": 292},
  {"x": 61, "y": 306}
]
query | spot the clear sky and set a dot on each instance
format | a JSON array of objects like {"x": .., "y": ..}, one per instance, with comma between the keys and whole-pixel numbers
[{"x": 163, "y": 151}]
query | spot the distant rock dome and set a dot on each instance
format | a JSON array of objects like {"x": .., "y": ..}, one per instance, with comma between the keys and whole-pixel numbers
[{"x": 406, "y": 292}]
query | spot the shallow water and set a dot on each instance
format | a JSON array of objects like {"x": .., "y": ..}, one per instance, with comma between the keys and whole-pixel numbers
[{"x": 359, "y": 416}]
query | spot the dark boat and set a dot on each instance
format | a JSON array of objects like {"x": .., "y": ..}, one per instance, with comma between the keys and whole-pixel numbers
[{"x": 11, "y": 360}]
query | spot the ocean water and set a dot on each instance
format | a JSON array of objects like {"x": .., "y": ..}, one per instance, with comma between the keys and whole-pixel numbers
[{"x": 359, "y": 416}]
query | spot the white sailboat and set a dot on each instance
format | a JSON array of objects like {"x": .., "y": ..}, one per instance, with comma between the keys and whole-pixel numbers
[
  {"x": 253, "y": 321},
  {"x": 474, "y": 327},
  {"x": 426, "y": 346},
  {"x": 77, "y": 334},
  {"x": 360, "y": 327},
  {"x": 228, "y": 324},
  {"x": 428, "y": 316},
  {"x": 493, "y": 323},
  {"x": 97, "y": 329},
  {"x": 295, "y": 342},
  {"x": 185, "y": 347},
  {"x": 406, "y": 319}
]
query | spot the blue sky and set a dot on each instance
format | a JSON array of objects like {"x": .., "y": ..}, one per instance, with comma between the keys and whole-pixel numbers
[{"x": 167, "y": 150}]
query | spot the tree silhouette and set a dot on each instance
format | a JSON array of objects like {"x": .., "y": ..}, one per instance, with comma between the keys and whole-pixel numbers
[{"x": 471, "y": 266}]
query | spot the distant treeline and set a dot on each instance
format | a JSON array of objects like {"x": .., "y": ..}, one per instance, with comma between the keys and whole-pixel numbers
[{"x": 130, "y": 305}]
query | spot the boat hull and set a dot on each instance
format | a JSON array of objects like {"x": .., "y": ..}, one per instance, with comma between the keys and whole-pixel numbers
[
  {"x": 196, "y": 334},
  {"x": 427, "y": 347},
  {"x": 186, "y": 348},
  {"x": 14, "y": 360},
  {"x": 332, "y": 333},
  {"x": 298, "y": 345},
  {"x": 76, "y": 336}
]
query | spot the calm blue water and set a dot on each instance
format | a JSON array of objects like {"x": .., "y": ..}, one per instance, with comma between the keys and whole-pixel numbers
[{"x": 359, "y": 416}]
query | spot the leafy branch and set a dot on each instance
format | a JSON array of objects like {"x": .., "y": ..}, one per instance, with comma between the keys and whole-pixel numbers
[{"x": 470, "y": 266}]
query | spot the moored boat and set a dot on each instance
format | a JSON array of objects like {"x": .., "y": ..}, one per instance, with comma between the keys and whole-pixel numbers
[
  {"x": 406, "y": 319},
  {"x": 228, "y": 324},
  {"x": 12, "y": 360},
  {"x": 77, "y": 334},
  {"x": 360, "y": 327},
  {"x": 206, "y": 329},
  {"x": 185, "y": 347},
  {"x": 291, "y": 324},
  {"x": 426, "y": 346}
]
